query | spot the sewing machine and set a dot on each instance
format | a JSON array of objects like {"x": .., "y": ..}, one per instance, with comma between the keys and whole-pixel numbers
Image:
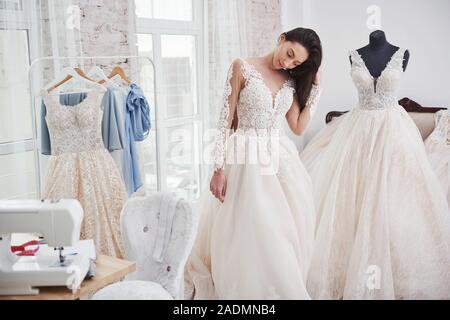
[{"x": 62, "y": 259}]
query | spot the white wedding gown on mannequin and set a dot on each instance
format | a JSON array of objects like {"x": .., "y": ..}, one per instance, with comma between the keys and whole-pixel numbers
[
  {"x": 383, "y": 229},
  {"x": 438, "y": 149},
  {"x": 258, "y": 243}
]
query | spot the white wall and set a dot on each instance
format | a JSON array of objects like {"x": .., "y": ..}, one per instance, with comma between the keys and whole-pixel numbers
[
  {"x": 421, "y": 26},
  {"x": 289, "y": 20}
]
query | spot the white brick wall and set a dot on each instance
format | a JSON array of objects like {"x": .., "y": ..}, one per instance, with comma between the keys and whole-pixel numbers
[
  {"x": 98, "y": 28},
  {"x": 85, "y": 28},
  {"x": 265, "y": 25},
  {"x": 108, "y": 27}
]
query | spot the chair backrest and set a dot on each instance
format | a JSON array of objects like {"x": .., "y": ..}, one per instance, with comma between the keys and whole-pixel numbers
[
  {"x": 158, "y": 232},
  {"x": 423, "y": 117},
  {"x": 424, "y": 122}
]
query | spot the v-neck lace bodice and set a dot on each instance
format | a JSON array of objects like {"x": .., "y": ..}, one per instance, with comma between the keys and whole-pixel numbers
[
  {"x": 259, "y": 111},
  {"x": 377, "y": 92},
  {"x": 257, "y": 107},
  {"x": 252, "y": 72}
]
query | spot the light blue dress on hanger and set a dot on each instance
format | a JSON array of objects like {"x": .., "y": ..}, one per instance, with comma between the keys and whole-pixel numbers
[{"x": 126, "y": 119}]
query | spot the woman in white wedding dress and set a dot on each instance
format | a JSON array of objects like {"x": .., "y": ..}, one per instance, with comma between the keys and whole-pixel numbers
[
  {"x": 255, "y": 237},
  {"x": 383, "y": 224}
]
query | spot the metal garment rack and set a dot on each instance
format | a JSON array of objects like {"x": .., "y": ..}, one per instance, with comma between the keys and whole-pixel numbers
[{"x": 34, "y": 83}]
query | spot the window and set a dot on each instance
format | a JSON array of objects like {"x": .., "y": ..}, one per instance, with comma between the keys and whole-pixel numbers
[
  {"x": 158, "y": 9},
  {"x": 179, "y": 75},
  {"x": 171, "y": 33},
  {"x": 18, "y": 173},
  {"x": 13, "y": 5}
]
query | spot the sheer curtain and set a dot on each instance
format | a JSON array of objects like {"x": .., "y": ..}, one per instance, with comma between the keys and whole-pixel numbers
[
  {"x": 243, "y": 29},
  {"x": 229, "y": 29},
  {"x": 28, "y": 30},
  {"x": 18, "y": 47},
  {"x": 81, "y": 28},
  {"x": 239, "y": 29},
  {"x": 31, "y": 29}
]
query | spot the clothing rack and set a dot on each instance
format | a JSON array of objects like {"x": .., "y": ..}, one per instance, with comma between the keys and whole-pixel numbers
[{"x": 35, "y": 86}]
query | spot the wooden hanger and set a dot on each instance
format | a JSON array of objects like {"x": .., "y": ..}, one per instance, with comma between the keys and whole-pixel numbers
[
  {"x": 117, "y": 71},
  {"x": 78, "y": 71}
]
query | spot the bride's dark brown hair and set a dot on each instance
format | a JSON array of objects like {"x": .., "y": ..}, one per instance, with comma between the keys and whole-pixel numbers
[{"x": 305, "y": 73}]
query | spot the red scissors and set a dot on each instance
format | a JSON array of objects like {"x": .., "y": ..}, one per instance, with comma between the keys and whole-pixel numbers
[{"x": 22, "y": 250}]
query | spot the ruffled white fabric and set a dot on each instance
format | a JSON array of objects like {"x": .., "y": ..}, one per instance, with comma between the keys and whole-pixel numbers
[
  {"x": 383, "y": 228},
  {"x": 257, "y": 244}
]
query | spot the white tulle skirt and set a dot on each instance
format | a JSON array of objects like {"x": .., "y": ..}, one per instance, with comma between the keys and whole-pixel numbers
[
  {"x": 383, "y": 223},
  {"x": 258, "y": 243}
]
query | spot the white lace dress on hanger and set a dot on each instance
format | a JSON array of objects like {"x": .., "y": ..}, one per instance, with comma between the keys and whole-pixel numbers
[
  {"x": 438, "y": 149},
  {"x": 257, "y": 244},
  {"x": 383, "y": 223},
  {"x": 81, "y": 168}
]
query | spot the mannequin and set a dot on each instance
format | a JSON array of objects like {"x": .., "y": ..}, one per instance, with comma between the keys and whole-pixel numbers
[
  {"x": 375, "y": 153},
  {"x": 378, "y": 52}
]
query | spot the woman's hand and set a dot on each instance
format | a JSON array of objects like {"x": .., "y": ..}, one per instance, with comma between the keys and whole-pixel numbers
[{"x": 218, "y": 185}]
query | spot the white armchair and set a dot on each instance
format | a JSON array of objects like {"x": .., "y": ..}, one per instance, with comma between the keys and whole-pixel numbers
[{"x": 158, "y": 232}]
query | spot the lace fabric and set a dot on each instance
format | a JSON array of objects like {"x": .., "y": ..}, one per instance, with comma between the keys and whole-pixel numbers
[
  {"x": 383, "y": 228},
  {"x": 81, "y": 168},
  {"x": 377, "y": 93},
  {"x": 441, "y": 132},
  {"x": 313, "y": 99},
  {"x": 71, "y": 129},
  {"x": 258, "y": 109},
  {"x": 438, "y": 149},
  {"x": 233, "y": 257}
]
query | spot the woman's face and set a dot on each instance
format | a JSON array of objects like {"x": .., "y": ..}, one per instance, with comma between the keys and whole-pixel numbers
[{"x": 289, "y": 55}]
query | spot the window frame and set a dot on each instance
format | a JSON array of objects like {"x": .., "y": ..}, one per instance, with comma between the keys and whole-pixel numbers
[
  {"x": 196, "y": 28},
  {"x": 24, "y": 20}
]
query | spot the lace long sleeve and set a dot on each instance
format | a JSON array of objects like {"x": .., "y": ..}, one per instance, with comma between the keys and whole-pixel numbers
[
  {"x": 230, "y": 98},
  {"x": 313, "y": 99}
]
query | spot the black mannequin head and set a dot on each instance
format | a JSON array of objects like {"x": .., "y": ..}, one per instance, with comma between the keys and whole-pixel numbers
[
  {"x": 378, "y": 53},
  {"x": 377, "y": 39}
]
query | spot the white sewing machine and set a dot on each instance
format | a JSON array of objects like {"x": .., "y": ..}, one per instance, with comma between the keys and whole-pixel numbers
[{"x": 65, "y": 261}]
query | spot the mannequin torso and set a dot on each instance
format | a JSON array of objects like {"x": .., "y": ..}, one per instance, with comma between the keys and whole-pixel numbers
[{"x": 378, "y": 52}]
